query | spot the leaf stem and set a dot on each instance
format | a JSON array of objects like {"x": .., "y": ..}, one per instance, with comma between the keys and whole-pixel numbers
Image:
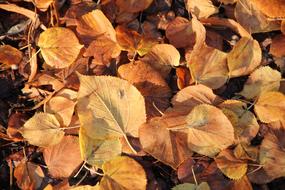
[{"x": 128, "y": 142}]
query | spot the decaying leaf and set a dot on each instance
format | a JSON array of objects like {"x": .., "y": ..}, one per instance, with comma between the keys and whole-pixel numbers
[
  {"x": 245, "y": 124},
  {"x": 163, "y": 57},
  {"x": 270, "y": 107},
  {"x": 123, "y": 173},
  {"x": 161, "y": 142},
  {"x": 133, "y": 6},
  {"x": 232, "y": 167},
  {"x": 208, "y": 66},
  {"x": 43, "y": 130},
  {"x": 201, "y": 9},
  {"x": 57, "y": 50},
  {"x": 151, "y": 85},
  {"x": 63, "y": 158},
  {"x": 43, "y": 5},
  {"x": 244, "y": 57},
  {"x": 272, "y": 154},
  {"x": 252, "y": 19},
  {"x": 10, "y": 55},
  {"x": 28, "y": 175},
  {"x": 242, "y": 183},
  {"x": 109, "y": 108},
  {"x": 209, "y": 130},
  {"x": 261, "y": 80}
]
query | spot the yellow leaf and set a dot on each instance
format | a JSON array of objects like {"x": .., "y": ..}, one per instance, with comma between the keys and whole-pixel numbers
[
  {"x": 244, "y": 57},
  {"x": 59, "y": 46},
  {"x": 209, "y": 130},
  {"x": 123, "y": 173},
  {"x": 190, "y": 186},
  {"x": 43, "y": 130},
  {"x": 108, "y": 108},
  {"x": 201, "y": 8},
  {"x": 272, "y": 8},
  {"x": 133, "y": 6},
  {"x": 270, "y": 107},
  {"x": 232, "y": 167},
  {"x": 262, "y": 80}
]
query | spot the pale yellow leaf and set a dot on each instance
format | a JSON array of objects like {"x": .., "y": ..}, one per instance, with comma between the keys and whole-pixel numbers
[{"x": 201, "y": 8}]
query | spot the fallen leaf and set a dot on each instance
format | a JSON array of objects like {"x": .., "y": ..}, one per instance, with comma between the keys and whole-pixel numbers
[
  {"x": 62, "y": 108},
  {"x": 232, "y": 167},
  {"x": 242, "y": 183},
  {"x": 163, "y": 57},
  {"x": 190, "y": 186},
  {"x": 183, "y": 33},
  {"x": 209, "y": 130},
  {"x": 191, "y": 96},
  {"x": 43, "y": 130},
  {"x": 151, "y": 85},
  {"x": 109, "y": 108},
  {"x": 123, "y": 173},
  {"x": 283, "y": 26},
  {"x": 57, "y": 50},
  {"x": 226, "y": 2},
  {"x": 183, "y": 77},
  {"x": 29, "y": 176},
  {"x": 133, "y": 6},
  {"x": 272, "y": 153},
  {"x": 270, "y": 107},
  {"x": 277, "y": 46},
  {"x": 201, "y": 9},
  {"x": 87, "y": 187},
  {"x": 261, "y": 80},
  {"x": 208, "y": 66},
  {"x": 63, "y": 158},
  {"x": 245, "y": 126},
  {"x": 10, "y": 55},
  {"x": 157, "y": 138},
  {"x": 43, "y": 5},
  {"x": 244, "y": 57},
  {"x": 15, "y": 122},
  {"x": 252, "y": 19},
  {"x": 272, "y": 8}
]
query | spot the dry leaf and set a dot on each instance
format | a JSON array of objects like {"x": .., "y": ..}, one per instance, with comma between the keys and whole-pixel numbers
[
  {"x": 272, "y": 154},
  {"x": 226, "y": 2},
  {"x": 133, "y": 42},
  {"x": 191, "y": 96},
  {"x": 242, "y": 183},
  {"x": 283, "y": 26},
  {"x": 183, "y": 77},
  {"x": 272, "y": 8},
  {"x": 57, "y": 50},
  {"x": 151, "y": 85},
  {"x": 62, "y": 108},
  {"x": 190, "y": 186},
  {"x": 252, "y": 19},
  {"x": 170, "y": 147},
  {"x": 245, "y": 125},
  {"x": 62, "y": 159},
  {"x": 123, "y": 173},
  {"x": 43, "y": 130},
  {"x": 209, "y": 130},
  {"x": 201, "y": 8},
  {"x": 261, "y": 80},
  {"x": 10, "y": 55},
  {"x": 109, "y": 108},
  {"x": 15, "y": 122},
  {"x": 43, "y": 5},
  {"x": 208, "y": 66},
  {"x": 86, "y": 187},
  {"x": 133, "y": 6},
  {"x": 232, "y": 167},
  {"x": 244, "y": 57},
  {"x": 270, "y": 107},
  {"x": 277, "y": 47},
  {"x": 184, "y": 33},
  {"x": 29, "y": 176},
  {"x": 162, "y": 57}
]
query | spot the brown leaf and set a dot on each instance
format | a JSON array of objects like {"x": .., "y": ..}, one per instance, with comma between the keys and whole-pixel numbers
[
  {"x": 15, "y": 122},
  {"x": 10, "y": 55},
  {"x": 201, "y": 9},
  {"x": 62, "y": 159},
  {"x": 272, "y": 8},
  {"x": 43, "y": 5},
  {"x": 183, "y": 77},
  {"x": 244, "y": 57},
  {"x": 242, "y": 183},
  {"x": 150, "y": 83},
  {"x": 29, "y": 176},
  {"x": 133, "y": 6},
  {"x": 277, "y": 47},
  {"x": 170, "y": 147}
]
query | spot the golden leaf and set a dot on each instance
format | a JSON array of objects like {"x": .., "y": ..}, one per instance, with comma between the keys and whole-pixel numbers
[{"x": 201, "y": 8}]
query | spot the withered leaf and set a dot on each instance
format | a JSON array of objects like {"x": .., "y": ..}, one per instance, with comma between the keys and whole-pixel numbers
[
  {"x": 278, "y": 45},
  {"x": 201, "y": 8},
  {"x": 272, "y": 8},
  {"x": 10, "y": 55},
  {"x": 133, "y": 6},
  {"x": 190, "y": 186}
]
